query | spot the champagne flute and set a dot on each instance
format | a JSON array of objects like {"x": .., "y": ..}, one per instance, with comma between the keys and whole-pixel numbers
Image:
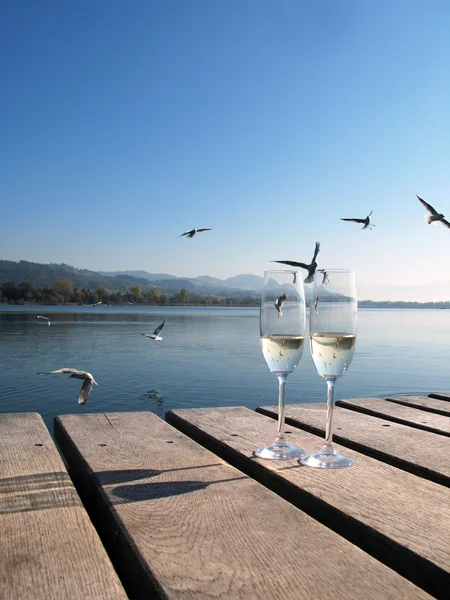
[
  {"x": 282, "y": 326},
  {"x": 333, "y": 317}
]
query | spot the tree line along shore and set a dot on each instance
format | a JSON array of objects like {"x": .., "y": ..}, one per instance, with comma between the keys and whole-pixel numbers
[{"x": 63, "y": 292}]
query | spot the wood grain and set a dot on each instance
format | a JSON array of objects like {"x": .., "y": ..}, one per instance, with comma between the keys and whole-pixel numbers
[
  {"x": 396, "y": 516},
  {"x": 413, "y": 450},
  {"x": 202, "y": 529},
  {"x": 48, "y": 546},
  {"x": 399, "y": 413},
  {"x": 425, "y": 403}
]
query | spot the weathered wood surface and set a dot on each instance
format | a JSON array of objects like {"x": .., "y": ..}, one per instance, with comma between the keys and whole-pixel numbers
[
  {"x": 400, "y": 413},
  {"x": 414, "y": 450},
  {"x": 440, "y": 395},
  {"x": 425, "y": 403},
  {"x": 202, "y": 529},
  {"x": 399, "y": 518},
  {"x": 49, "y": 548}
]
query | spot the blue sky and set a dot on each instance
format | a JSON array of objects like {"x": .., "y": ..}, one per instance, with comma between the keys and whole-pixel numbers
[{"x": 126, "y": 123}]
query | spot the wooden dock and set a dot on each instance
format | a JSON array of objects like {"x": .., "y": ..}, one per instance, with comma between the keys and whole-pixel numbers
[
  {"x": 181, "y": 509},
  {"x": 49, "y": 549}
]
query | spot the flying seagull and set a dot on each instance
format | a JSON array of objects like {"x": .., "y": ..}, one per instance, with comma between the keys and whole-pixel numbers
[
  {"x": 87, "y": 383},
  {"x": 366, "y": 221},
  {"x": 311, "y": 268},
  {"x": 192, "y": 232},
  {"x": 434, "y": 216},
  {"x": 279, "y": 304},
  {"x": 41, "y": 317},
  {"x": 155, "y": 335},
  {"x": 325, "y": 278}
]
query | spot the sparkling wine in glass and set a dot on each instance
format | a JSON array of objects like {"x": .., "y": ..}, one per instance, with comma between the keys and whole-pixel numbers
[
  {"x": 282, "y": 327},
  {"x": 332, "y": 337}
]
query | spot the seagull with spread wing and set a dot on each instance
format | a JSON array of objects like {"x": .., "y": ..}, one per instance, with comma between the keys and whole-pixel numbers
[
  {"x": 279, "y": 302},
  {"x": 325, "y": 278},
  {"x": 311, "y": 268},
  {"x": 46, "y": 319},
  {"x": 155, "y": 335},
  {"x": 192, "y": 232},
  {"x": 434, "y": 216},
  {"x": 366, "y": 222},
  {"x": 87, "y": 383}
]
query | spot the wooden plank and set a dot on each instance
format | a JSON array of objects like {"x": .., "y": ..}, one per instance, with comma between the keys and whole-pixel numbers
[
  {"x": 440, "y": 395},
  {"x": 425, "y": 403},
  {"x": 399, "y": 413},
  {"x": 413, "y": 450},
  {"x": 49, "y": 548},
  {"x": 202, "y": 529},
  {"x": 372, "y": 503}
]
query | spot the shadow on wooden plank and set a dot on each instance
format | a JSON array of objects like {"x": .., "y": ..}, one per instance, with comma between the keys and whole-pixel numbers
[
  {"x": 412, "y": 450},
  {"x": 215, "y": 541},
  {"x": 137, "y": 581},
  {"x": 231, "y": 432}
]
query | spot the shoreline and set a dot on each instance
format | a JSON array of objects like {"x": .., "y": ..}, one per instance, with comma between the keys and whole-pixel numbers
[{"x": 382, "y": 305}]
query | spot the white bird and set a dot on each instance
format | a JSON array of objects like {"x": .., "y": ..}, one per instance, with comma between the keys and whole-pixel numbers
[
  {"x": 87, "y": 383},
  {"x": 192, "y": 232},
  {"x": 434, "y": 215},
  {"x": 155, "y": 335},
  {"x": 311, "y": 268},
  {"x": 41, "y": 317},
  {"x": 366, "y": 221},
  {"x": 279, "y": 304}
]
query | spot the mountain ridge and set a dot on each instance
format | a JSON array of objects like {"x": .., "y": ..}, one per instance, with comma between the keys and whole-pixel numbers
[
  {"x": 44, "y": 275},
  {"x": 242, "y": 285}
]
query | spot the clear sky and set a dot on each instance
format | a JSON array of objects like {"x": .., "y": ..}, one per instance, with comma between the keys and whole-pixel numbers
[{"x": 126, "y": 122}]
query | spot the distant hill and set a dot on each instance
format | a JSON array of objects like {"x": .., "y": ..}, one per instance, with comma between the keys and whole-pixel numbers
[
  {"x": 45, "y": 275},
  {"x": 238, "y": 285},
  {"x": 247, "y": 282},
  {"x": 207, "y": 280},
  {"x": 241, "y": 282},
  {"x": 139, "y": 274}
]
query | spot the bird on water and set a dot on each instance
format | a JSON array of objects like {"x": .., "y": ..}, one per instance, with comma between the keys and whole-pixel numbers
[
  {"x": 155, "y": 335},
  {"x": 434, "y": 216},
  {"x": 46, "y": 318},
  {"x": 87, "y": 383},
  {"x": 311, "y": 268}
]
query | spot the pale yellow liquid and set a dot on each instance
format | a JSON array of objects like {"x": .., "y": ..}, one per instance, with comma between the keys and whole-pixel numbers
[
  {"x": 332, "y": 353},
  {"x": 282, "y": 353}
]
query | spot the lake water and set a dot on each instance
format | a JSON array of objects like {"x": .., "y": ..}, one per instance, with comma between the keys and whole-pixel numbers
[{"x": 208, "y": 357}]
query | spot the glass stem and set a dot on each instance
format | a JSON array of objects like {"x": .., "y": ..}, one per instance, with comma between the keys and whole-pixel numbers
[
  {"x": 328, "y": 447},
  {"x": 281, "y": 405}
]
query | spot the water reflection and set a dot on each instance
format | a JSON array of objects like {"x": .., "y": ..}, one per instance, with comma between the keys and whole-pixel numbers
[
  {"x": 209, "y": 357},
  {"x": 156, "y": 396}
]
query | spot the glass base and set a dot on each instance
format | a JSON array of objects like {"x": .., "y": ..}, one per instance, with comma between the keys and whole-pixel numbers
[
  {"x": 280, "y": 451},
  {"x": 327, "y": 460}
]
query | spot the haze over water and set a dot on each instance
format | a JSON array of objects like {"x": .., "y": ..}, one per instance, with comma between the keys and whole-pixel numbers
[{"x": 208, "y": 357}]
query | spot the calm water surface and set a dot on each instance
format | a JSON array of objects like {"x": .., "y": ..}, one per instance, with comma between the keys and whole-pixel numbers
[{"x": 208, "y": 357}]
